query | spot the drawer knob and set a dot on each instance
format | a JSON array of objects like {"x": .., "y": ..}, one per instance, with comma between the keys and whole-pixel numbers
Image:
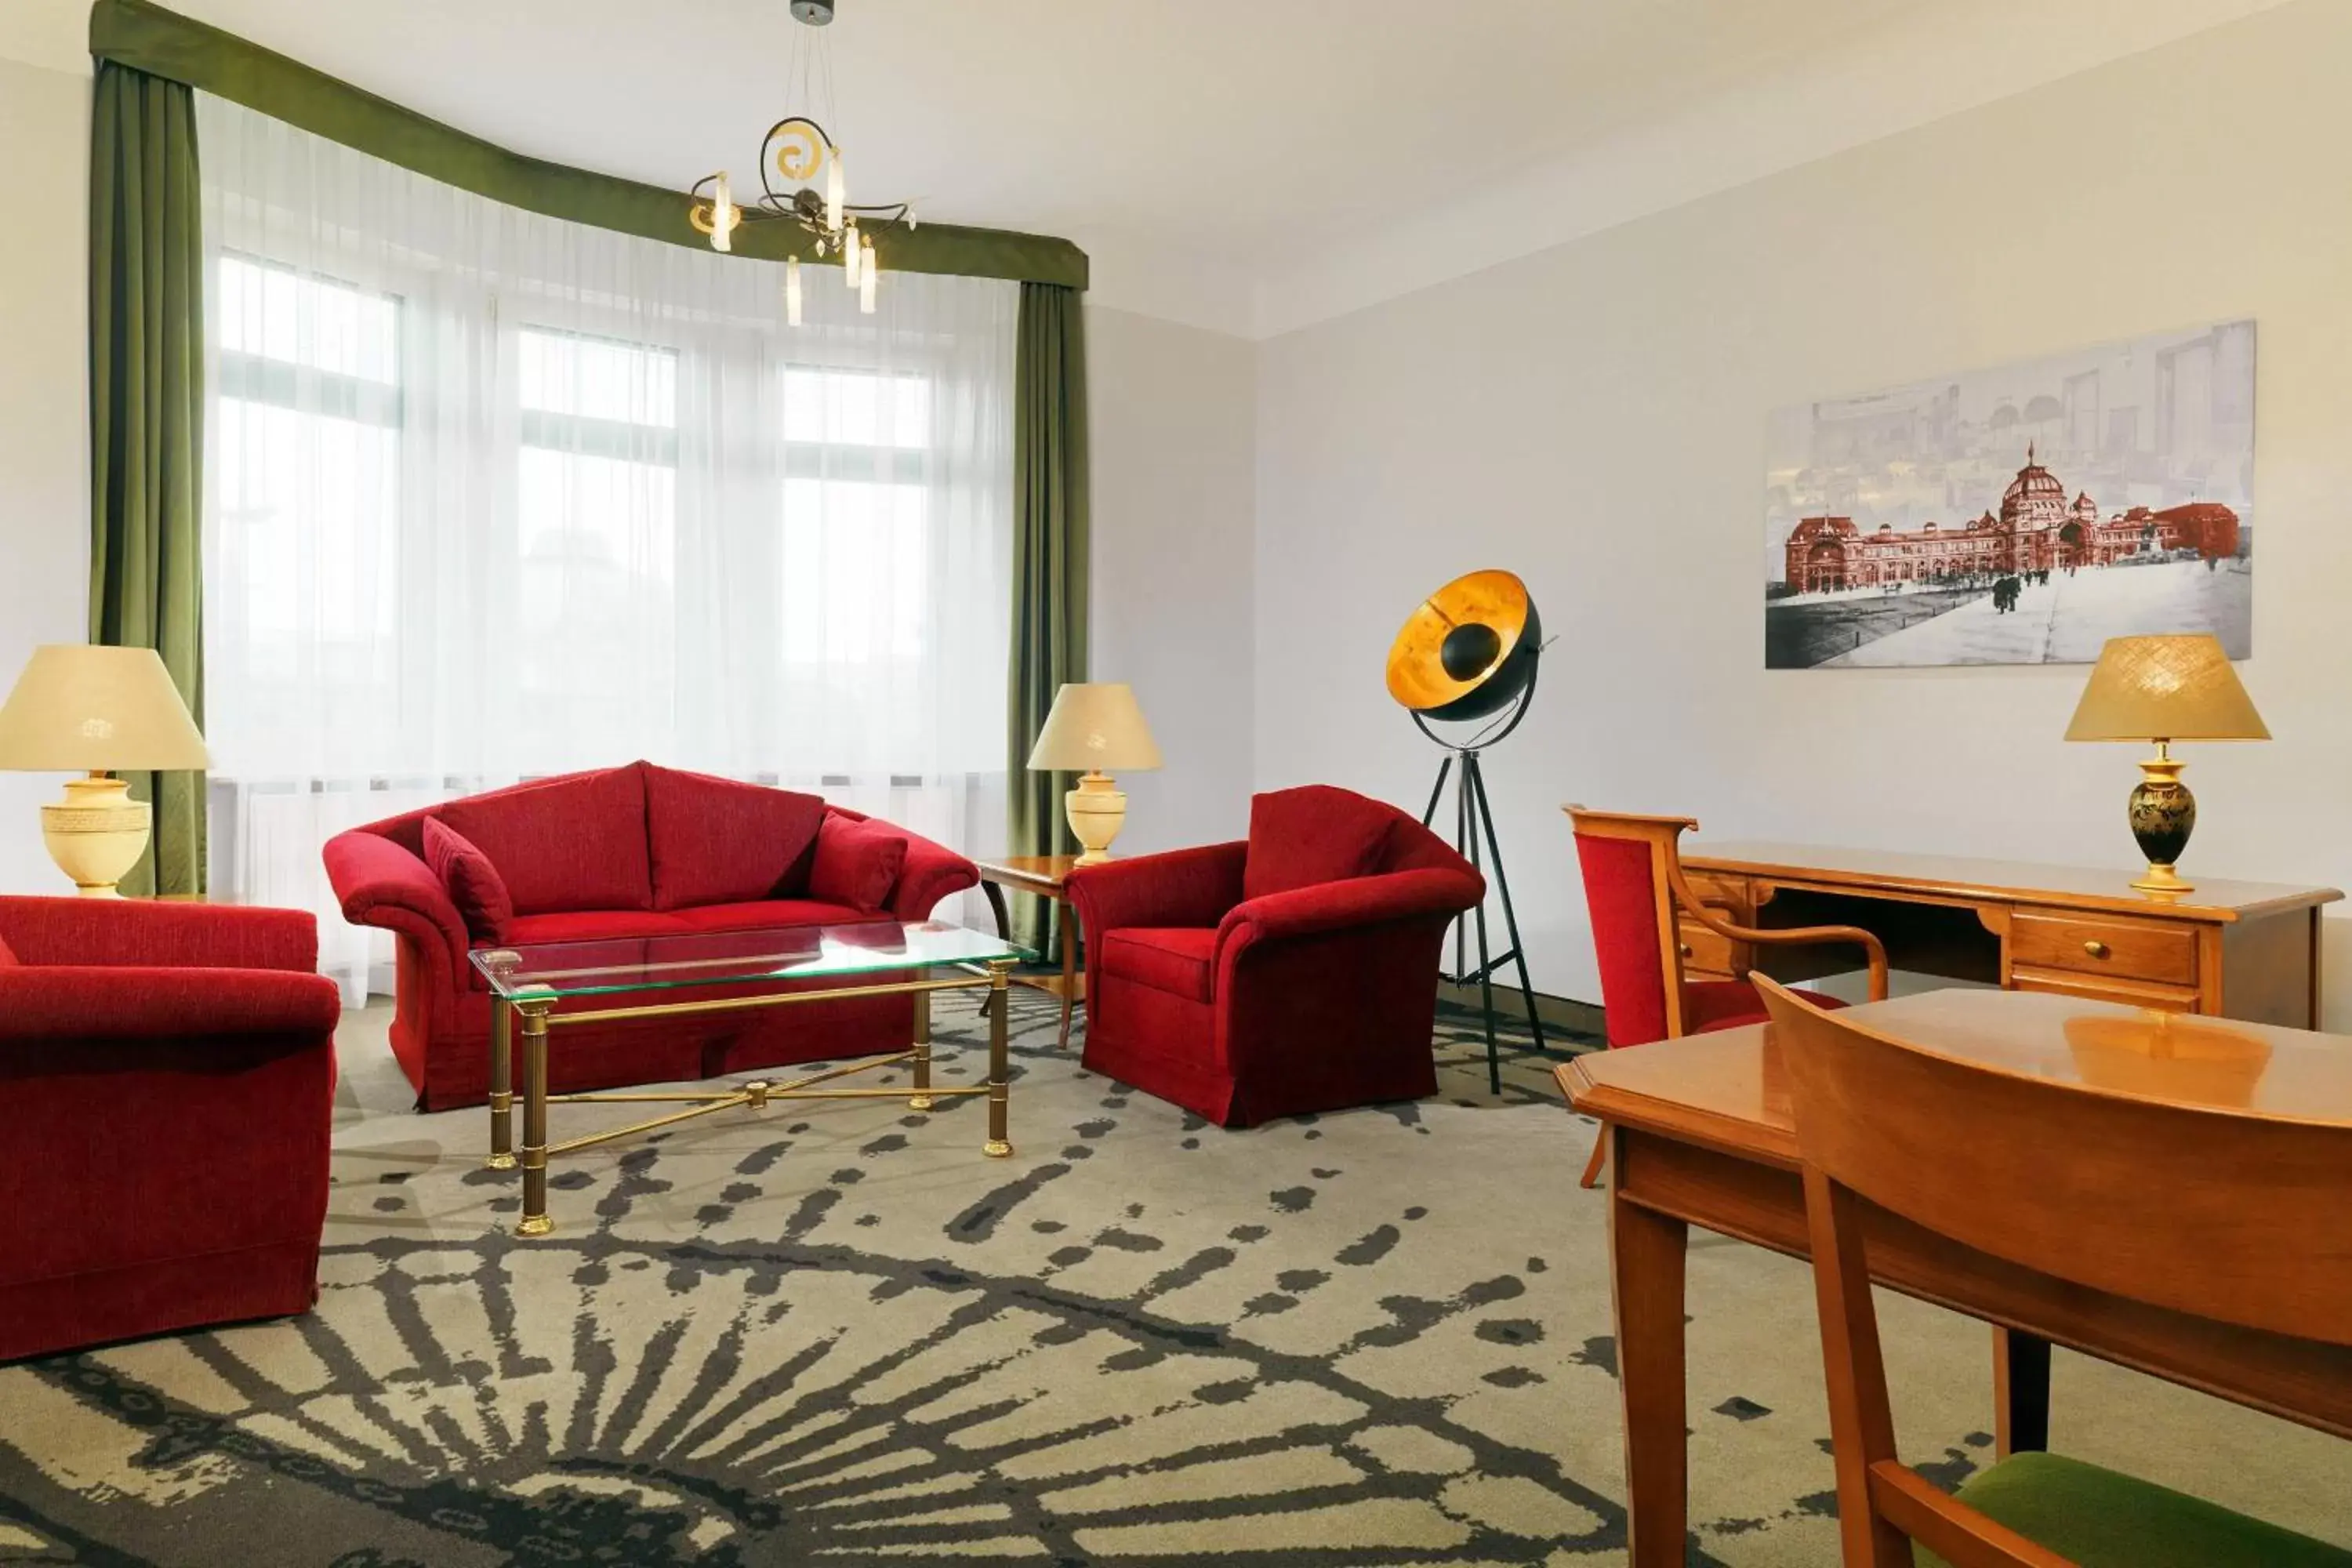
[
  {"x": 1685, "y": 949},
  {"x": 2096, "y": 949}
]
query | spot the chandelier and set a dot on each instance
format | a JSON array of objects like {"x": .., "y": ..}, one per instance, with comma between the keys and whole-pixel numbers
[{"x": 797, "y": 151}]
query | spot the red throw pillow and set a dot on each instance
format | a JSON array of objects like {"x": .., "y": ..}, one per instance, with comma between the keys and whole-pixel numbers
[
  {"x": 856, "y": 863},
  {"x": 474, "y": 884},
  {"x": 8, "y": 959},
  {"x": 1314, "y": 833},
  {"x": 715, "y": 841},
  {"x": 572, "y": 843}
]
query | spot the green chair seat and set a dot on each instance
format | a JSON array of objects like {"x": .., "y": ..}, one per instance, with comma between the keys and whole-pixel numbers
[{"x": 2102, "y": 1520}]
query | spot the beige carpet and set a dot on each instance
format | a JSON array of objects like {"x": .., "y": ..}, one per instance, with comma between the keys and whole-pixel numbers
[{"x": 835, "y": 1335}]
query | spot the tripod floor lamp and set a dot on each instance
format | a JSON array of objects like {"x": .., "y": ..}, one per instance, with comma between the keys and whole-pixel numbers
[{"x": 1467, "y": 655}]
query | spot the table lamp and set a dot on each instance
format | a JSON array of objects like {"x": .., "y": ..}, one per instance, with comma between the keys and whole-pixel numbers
[
  {"x": 91, "y": 709},
  {"x": 2164, "y": 690},
  {"x": 1095, "y": 726}
]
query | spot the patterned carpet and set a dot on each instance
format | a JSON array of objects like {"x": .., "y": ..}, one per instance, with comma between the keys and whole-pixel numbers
[{"x": 834, "y": 1334}]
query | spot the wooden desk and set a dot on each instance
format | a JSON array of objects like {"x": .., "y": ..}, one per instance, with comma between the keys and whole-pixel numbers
[
  {"x": 1700, "y": 1134},
  {"x": 2237, "y": 950},
  {"x": 1042, "y": 875}
]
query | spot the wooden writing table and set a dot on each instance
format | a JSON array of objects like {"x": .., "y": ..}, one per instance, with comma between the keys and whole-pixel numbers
[
  {"x": 2238, "y": 949},
  {"x": 1700, "y": 1134}
]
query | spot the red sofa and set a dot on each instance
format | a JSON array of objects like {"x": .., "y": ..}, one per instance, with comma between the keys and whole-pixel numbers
[
  {"x": 167, "y": 1080},
  {"x": 1293, "y": 972},
  {"x": 612, "y": 856}
]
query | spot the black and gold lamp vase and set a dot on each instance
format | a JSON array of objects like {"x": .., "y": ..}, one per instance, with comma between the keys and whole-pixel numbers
[{"x": 2164, "y": 689}]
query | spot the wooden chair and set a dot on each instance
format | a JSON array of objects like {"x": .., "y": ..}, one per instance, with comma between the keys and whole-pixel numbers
[
  {"x": 1638, "y": 895},
  {"x": 2222, "y": 1221}
]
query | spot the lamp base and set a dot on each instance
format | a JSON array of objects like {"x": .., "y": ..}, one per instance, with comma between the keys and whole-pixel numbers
[
  {"x": 96, "y": 834},
  {"x": 2163, "y": 813},
  {"x": 1097, "y": 810}
]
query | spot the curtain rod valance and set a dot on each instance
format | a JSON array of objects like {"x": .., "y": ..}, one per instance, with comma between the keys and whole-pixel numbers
[{"x": 163, "y": 43}]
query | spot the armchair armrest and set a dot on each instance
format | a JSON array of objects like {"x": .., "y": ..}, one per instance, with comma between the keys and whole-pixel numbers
[
  {"x": 931, "y": 872},
  {"x": 83, "y": 1001},
  {"x": 108, "y": 931},
  {"x": 1192, "y": 887},
  {"x": 381, "y": 883},
  {"x": 1874, "y": 951},
  {"x": 1354, "y": 902}
]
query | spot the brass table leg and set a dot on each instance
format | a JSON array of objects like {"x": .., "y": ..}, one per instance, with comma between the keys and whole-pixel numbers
[
  {"x": 534, "y": 1220},
  {"x": 1000, "y": 1000},
  {"x": 502, "y": 1086},
  {"x": 922, "y": 1099}
]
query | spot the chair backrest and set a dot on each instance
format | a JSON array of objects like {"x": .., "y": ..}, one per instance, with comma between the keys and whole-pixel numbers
[
  {"x": 1629, "y": 865},
  {"x": 1314, "y": 833},
  {"x": 2236, "y": 1217}
]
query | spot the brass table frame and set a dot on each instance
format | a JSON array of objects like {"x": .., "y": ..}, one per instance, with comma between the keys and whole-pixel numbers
[{"x": 537, "y": 1006}]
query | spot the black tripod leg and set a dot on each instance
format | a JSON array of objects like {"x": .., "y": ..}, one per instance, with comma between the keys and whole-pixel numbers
[
  {"x": 1486, "y": 1007},
  {"x": 1476, "y": 781},
  {"x": 1443, "y": 767},
  {"x": 1465, "y": 844}
]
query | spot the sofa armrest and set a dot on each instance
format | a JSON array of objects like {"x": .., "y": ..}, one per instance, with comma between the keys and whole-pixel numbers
[
  {"x": 108, "y": 931},
  {"x": 1180, "y": 888},
  {"x": 381, "y": 883},
  {"x": 81, "y": 1002},
  {"x": 932, "y": 872},
  {"x": 1346, "y": 905}
]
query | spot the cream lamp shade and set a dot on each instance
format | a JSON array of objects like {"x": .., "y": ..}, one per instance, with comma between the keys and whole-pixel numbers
[
  {"x": 1095, "y": 726},
  {"x": 2164, "y": 689},
  {"x": 91, "y": 710}
]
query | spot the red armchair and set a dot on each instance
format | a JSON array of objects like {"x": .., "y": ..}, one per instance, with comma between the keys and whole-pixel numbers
[
  {"x": 167, "y": 1077},
  {"x": 612, "y": 856},
  {"x": 1293, "y": 972}
]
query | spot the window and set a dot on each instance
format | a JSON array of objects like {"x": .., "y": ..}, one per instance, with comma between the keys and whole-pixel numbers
[
  {"x": 304, "y": 538},
  {"x": 856, "y": 524}
]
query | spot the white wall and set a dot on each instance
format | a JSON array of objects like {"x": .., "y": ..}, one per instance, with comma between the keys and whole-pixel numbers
[
  {"x": 1592, "y": 417},
  {"x": 1169, "y": 412},
  {"x": 44, "y": 410}
]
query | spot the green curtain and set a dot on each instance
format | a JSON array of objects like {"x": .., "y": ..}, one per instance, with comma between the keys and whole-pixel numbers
[
  {"x": 142, "y": 35},
  {"x": 1049, "y": 574},
  {"x": 146, "y": 421}
]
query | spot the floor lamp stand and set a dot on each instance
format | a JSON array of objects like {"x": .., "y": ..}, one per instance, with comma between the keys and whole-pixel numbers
[{"x": 1474, "y": 821}]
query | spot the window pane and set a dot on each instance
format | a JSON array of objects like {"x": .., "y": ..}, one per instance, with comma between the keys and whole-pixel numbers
[
  {"x": 273, "y": 314},
  {"x": 597, "y": 378},
  {"x": 857, "y": 572},
  {"x": 850, "y": 408}
]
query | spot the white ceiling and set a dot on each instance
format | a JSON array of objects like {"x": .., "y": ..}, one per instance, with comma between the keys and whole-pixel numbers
[{"x": 1250, "y": 165}]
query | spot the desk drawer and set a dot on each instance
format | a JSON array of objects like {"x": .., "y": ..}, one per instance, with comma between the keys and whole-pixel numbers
[
  {"x": 2121, "y": 948},
  {"x": 1708, "y": 956}
]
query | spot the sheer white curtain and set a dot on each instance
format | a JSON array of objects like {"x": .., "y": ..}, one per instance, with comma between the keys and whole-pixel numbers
[{"x": 492, "y": 495}]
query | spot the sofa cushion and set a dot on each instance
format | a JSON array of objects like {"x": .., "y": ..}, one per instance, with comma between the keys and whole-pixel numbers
[
  {"x": 1314, "y": 833},
  {"x": 773, "y": 914},
  {"x": 589, "y": 925},
  {"x": 473, "y": 884},
  {"x": 1179, "y": 960},
  {"x": 718, "y": 841},
  {"x": 857, "y": 862},
  {"x": 2100, "y": 1519},
  {"x": 8, "y": 957},
  {"x": 576, "y": 842}
]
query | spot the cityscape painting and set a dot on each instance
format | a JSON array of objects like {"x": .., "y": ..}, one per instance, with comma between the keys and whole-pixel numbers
[{"x": 2019, "y": 515}]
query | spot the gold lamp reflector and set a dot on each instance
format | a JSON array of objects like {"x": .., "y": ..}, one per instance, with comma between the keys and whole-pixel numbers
[{"x": 1468, "y": 648}]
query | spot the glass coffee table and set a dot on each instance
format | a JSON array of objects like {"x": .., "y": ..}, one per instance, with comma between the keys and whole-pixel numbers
[{"x": 559, "y": 985}]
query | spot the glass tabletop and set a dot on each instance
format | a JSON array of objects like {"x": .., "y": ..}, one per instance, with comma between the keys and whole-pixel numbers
[{"x": 724, "y": 958}]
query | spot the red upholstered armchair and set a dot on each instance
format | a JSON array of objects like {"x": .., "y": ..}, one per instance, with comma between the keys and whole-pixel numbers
[
  {"x": 1293, "y": 972},
  {"x": 167, "y": 1079},
  {"x": 1640, "y": 898}
]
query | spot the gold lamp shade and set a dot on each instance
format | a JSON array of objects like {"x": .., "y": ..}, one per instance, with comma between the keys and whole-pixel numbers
[
  {"x": 1466, "y": 649},
  {"x": 2164, "y": 689},
  {"x": 91, "y": 709}
]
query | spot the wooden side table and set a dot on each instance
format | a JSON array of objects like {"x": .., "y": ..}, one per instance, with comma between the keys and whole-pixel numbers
[{"x": 1040, "y": 875}]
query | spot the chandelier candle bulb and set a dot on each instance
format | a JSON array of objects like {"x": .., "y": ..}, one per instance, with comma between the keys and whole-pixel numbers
[
  {"x": 867, "y": 270},
  {"x": 792, "y": 290},
  {"x": 722, "y": 217},
  {"x": 851, "y": 253}
]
